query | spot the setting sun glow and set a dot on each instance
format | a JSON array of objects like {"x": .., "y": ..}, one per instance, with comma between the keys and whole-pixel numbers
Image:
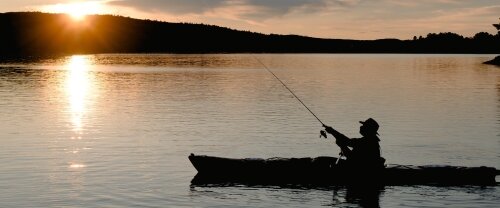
[{"x": 77, "y": 10}]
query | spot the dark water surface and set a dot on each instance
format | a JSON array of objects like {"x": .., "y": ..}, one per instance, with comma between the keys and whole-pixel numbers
[{"x": 116, "y": 130}]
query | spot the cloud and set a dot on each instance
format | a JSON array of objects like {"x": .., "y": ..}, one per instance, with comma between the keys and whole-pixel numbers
[
  {"x": 248, "y": 9},
  {"x": 464, "y": 21},
  {"x": 25, "y": 5},
  {"x": 419, "y": 3},
  {"x": 171, "y": 6}
]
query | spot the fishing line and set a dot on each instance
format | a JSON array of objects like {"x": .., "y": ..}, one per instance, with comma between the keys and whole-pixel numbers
[{"x": 288, "y": 89}]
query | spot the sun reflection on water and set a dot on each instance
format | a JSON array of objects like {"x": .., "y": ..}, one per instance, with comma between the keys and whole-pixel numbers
[
  {"x": 76, "y": 166},
  {"x": 77, "y": 88}
]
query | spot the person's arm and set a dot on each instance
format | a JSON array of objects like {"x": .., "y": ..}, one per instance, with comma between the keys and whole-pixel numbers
[{"x": 341, "y": 139}]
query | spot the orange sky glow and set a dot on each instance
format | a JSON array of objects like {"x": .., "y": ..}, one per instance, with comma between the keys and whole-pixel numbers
[
  {"x": 346, "y": 19},
  {"x": 77, "y": 10}
]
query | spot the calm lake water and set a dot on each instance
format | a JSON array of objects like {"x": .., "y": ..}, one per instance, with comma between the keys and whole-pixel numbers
[{"x": 116, "y": 130}]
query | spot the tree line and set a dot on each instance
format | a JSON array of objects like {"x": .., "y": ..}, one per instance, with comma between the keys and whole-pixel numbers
[{"x": 36, "y": 33}]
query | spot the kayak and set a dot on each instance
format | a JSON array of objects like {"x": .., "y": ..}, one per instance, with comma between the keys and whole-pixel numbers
[{"x": 325, "y": 171}]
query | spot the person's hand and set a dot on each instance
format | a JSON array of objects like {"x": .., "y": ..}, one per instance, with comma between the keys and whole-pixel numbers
[
  {"x": 322, "y": 133},
  {"x": 328, "y": 129}
]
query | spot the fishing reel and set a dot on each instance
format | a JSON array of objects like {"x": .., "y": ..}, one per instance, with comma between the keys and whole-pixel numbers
[{"x": 322, "y": 133}]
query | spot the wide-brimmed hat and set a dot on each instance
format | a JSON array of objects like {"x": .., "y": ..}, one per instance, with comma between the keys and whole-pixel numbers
[{"x": 371, "y": 124}]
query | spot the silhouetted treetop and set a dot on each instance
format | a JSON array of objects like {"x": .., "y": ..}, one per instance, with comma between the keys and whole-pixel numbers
[{"x": 497, "y": 26}]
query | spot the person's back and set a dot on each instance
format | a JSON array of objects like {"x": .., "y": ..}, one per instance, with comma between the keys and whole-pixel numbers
[{"x": 365, "y": 150}]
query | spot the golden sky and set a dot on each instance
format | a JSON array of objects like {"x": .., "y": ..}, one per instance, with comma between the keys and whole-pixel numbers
[{"x": 346, "y": 19}]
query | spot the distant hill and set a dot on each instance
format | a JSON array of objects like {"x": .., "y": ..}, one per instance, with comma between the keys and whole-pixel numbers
[{"x": 35, "y": 33}]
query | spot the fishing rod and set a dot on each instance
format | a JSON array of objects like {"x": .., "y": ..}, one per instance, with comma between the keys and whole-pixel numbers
[
  {"x": 322, "y": 132},
  {"x": 290, "y": 92}
]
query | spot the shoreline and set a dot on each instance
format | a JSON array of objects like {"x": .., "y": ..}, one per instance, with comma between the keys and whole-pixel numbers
[{"x": 495, "y": 61}]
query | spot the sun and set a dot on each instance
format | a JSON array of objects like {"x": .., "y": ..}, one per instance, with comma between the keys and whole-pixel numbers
[
  {"x": 77, "y": 10},
  {"x": 74, "y": 12}
]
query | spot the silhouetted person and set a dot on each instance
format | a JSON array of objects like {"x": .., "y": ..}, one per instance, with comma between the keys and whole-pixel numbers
[{"x": 364, "y": 152}]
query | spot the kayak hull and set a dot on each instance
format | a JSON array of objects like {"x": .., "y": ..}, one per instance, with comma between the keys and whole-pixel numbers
[{"x": 325, "y": 171}]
